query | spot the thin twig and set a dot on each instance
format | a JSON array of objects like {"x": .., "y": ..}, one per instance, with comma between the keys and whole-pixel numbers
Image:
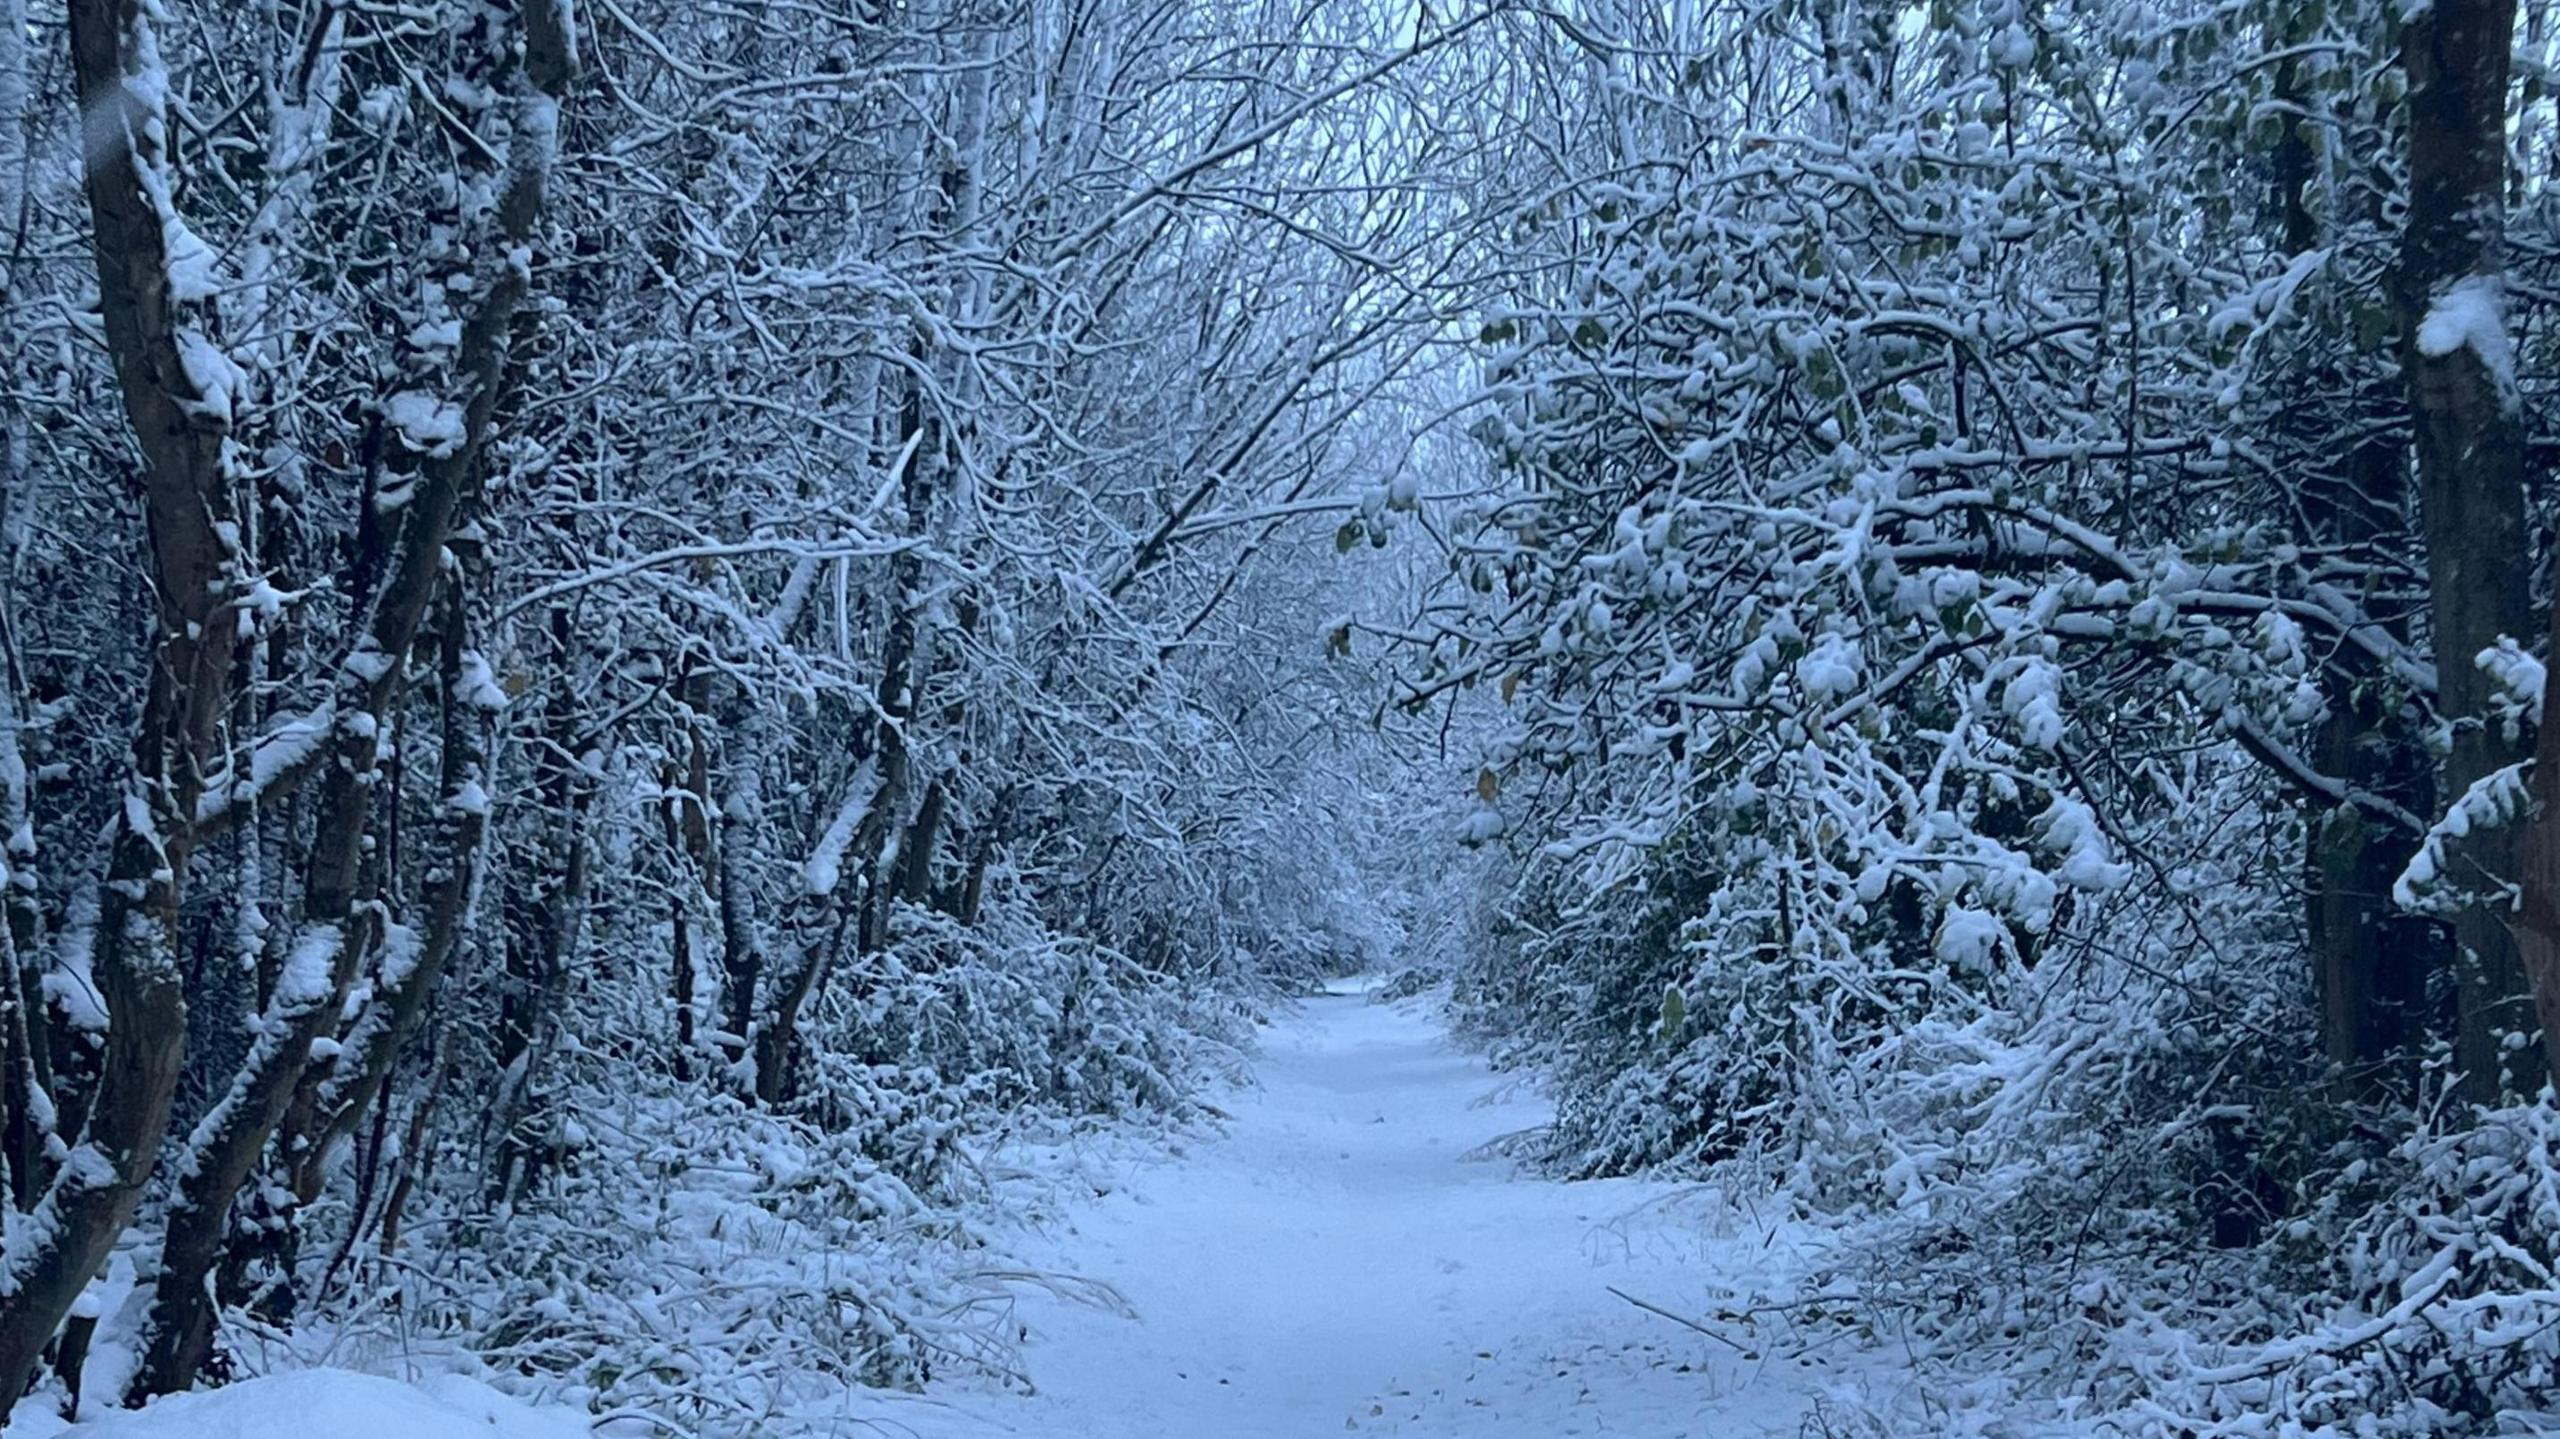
[{"x": 1682, "y": 1320}]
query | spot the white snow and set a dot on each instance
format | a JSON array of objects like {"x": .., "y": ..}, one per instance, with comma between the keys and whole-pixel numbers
[
  {"x": 826, "y": 862},
  {"x": 426, "y": 424},
  {"x": 443, "y": 334},
  {"x": 1968, "y": 938},
  {"x": 2520, "y": 679},
  {"x": 478, "y": 686},
  {"x": 218, "y": 380},
  {"x": 1337, "y": 1263},
  {"x": 310, "y": 970},
  {"x": 318, "y": 1404},
  {"x": 2494, "y": 799},
  {"x": 290, "y": 742},
  {"x": 2033, "y": 698},
  {"x": 1831, "y": 667},
  {"x": 368, "y": 664},
  {"x": 2472, "y": 312}
]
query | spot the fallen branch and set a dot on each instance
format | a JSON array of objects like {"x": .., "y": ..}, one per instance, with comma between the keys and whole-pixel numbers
[{"x": 1682, "y": 1320}]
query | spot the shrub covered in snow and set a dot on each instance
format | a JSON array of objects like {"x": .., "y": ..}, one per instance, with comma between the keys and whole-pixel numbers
[{"x": 1967, "y": 734}]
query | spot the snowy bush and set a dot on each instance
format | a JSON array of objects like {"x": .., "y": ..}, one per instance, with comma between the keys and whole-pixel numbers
[{"x": 1960, "y": 746}]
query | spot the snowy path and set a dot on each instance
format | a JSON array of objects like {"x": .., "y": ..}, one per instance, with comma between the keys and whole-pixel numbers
[{"x": 1331, "y": 1264}]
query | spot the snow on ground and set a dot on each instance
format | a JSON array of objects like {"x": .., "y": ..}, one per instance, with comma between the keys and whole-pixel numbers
[
  {"x": 321, "y": 1404},
  {"x": 1335, "y": 1262}
]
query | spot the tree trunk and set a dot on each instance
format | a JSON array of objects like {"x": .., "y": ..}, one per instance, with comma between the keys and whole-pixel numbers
[
  {"x": 923, "y": 837},
  {"x": 2370, "y": 961},
  {"x": 25, "y": 1117},
  {"x": 399, "y": 572},
  {"x": 180, "y": 416},
  {"x": 544, "y": 928},
  {"x": 2470, "y": 438},
  {"x": 332, "y": 1104},
  {"x": 686, "y": 809}
]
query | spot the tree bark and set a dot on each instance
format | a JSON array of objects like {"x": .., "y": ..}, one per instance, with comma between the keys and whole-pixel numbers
[
  {"x": 543, "y": 929},
  {"x": 332, "y": 1103},
  {"x": 168, "y": 374},
  {"x": 2370, "y": 959},
  {"x": 923, "y": 838},
  {"x": 405, "y": 556},
  {"x": 2470, "y": 440},
  {"x": 686, "y": 809}
]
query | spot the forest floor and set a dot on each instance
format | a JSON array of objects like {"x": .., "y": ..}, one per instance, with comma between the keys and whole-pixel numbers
[
  {"x": 1340, "y": 1260},
  {"x": 1338, "y": 1255}
]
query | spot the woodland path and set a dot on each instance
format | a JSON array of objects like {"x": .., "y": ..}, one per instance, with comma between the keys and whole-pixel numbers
[{"x": 1332, "y": 1262}]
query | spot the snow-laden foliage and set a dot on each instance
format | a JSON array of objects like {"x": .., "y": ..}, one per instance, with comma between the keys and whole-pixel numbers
[
  {"x": 717, "y": 640},
  {"x": 1953, "y": 647},
  {"x": 631, "y": 633}
]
